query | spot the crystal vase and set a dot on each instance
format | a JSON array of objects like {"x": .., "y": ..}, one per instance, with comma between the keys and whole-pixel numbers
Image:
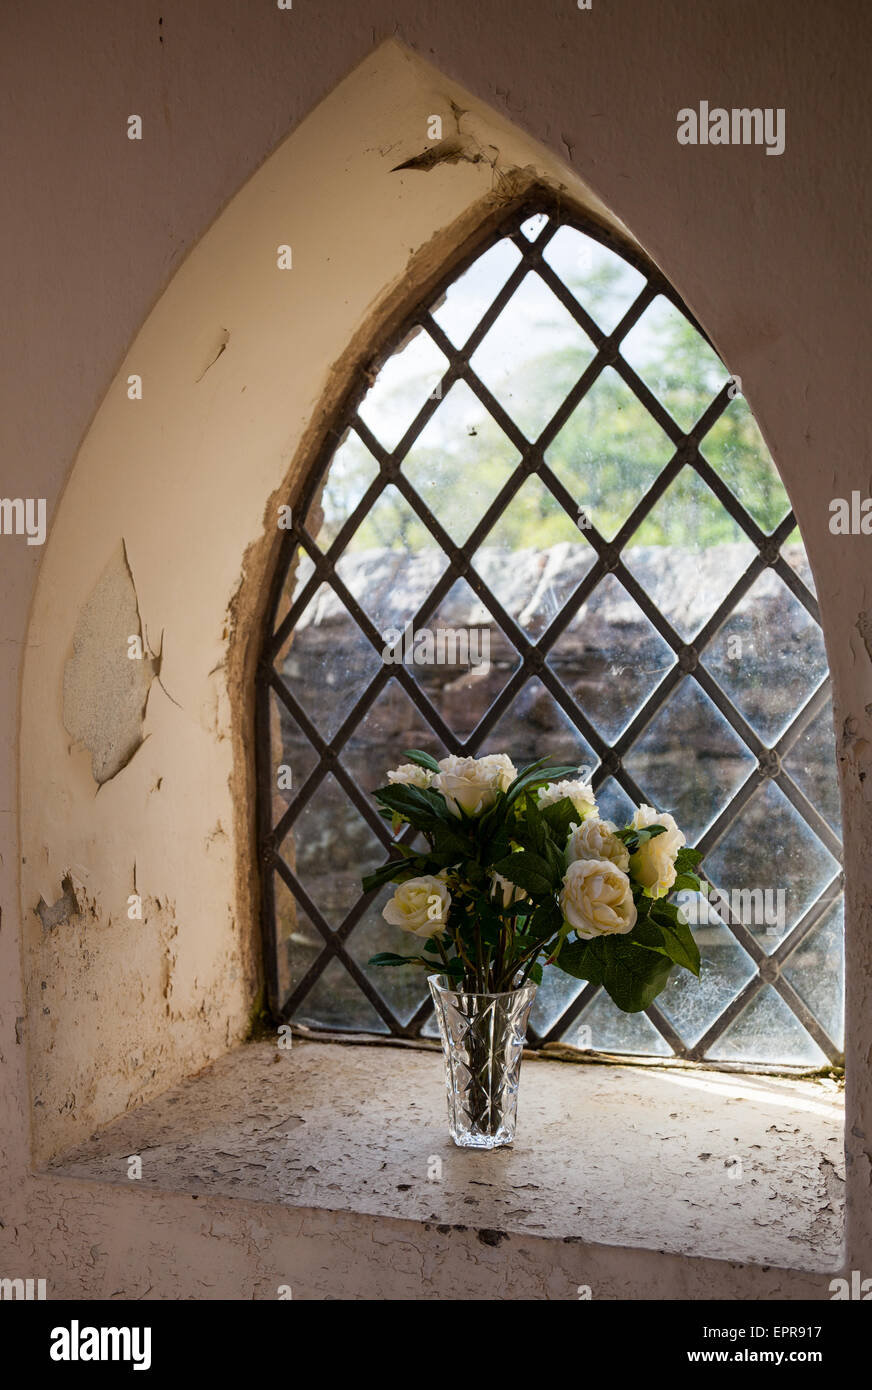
[{"x": 482, "y": 1039}]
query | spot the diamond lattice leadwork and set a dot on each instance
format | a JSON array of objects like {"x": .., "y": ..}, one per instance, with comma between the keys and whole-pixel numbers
[{"x": 607, "y": 512}]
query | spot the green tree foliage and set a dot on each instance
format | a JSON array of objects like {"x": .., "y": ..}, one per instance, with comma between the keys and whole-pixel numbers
[{"x": 607, "y": 455}]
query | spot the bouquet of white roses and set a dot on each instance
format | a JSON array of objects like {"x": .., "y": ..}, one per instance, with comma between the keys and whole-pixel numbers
[{"x": 521, "y": 872}]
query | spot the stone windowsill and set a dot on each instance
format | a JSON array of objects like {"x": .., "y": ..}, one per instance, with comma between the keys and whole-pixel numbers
[{"x": 622, "y": 1156}]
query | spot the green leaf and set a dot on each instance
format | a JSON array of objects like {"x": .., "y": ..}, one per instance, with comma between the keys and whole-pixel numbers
[
  {"x": 632, "y": 968},
  {"x": 633, "y": 838},
  {"x": 632, "y": 975},
  {"x": 421, "y": 808},
  {"x": 492, "y": 823},
  {"x": 490, "y": 927},
  {"x": 519, "y": 909},
  {"x": 685, "y": 881},
  {"x": 532, "y": 829},
  {"x": 582, "y": 960},
  {"x": 497, "y": 845},
  {"x": 525, "y": 771},
  {"x": 526, "y": 781},
  {"x": 528, "y": 871},
  {"x": 545, "y": 921},
  {"x": 535, "y": 973},
  {"x": 559, "y": 816},
  {"x": 687, "y": 859},
  {"x": 643, "y": 903},
  {"x": 451, "y": 841},
  {"x": 454, "y": 969},
  {"x": 390, "y": 958},
  {"x": 422, "y": 759},
  {"x": 557, "y": 947},
  {"x": 395, "y": 871},
  {"x": 677, "y": 937}
]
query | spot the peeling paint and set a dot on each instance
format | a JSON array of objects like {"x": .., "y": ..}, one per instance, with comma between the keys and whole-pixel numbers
[
  {"x": 864, "y": 627},
  {"x": 219, "y": 347},
  {"x": 451, "y": 151},
  {"x": 67, "y": 906},
  {"x": 105, "y": 689}
]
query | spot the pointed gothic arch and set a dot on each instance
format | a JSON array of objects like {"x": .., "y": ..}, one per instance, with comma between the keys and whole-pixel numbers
[{"x": 328, "y": 703}]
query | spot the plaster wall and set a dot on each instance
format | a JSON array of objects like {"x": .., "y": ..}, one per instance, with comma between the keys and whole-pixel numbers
[
  {"x": 235, "y": 360},
  {"x": 767, "y": 252}
]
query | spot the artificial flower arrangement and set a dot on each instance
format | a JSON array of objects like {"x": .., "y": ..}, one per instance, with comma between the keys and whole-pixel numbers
[{"x": 521, "y": 872}]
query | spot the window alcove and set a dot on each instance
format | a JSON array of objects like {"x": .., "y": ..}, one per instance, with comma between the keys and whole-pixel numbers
[{"x": 588, "y": 653}]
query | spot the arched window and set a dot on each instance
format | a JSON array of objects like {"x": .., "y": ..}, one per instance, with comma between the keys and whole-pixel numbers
[{"x": 553, "y": 469}]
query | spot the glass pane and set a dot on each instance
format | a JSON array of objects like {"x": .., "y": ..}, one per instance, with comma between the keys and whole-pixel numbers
[
  {"x": 330, "y": 847},
  {"x": 767, "y": 1031},
  {"x": 463, "y": 305},
  {"x": 688, "y": 553},
  {"x": 336, "y": 1002},
  {"x": 610, "y": 658},
  {"x": 689, "y": 761},
  {"x": 532, "y": 356},
  {"x": 811, "y": 763},
  {"x": 603, "y": 283},
  {"x": 674, "y": 362},
  {"x": 391, "y": 724},
  {"x": 327, "y": 663},
  {"x": 553, "y": 998},
  {"x": 299, "y": 573},
  {"x": 468, "y": 663},
  {"x": 392, "y": 563},
  {"x": 817, "y": 972},
  {"x": 608, "y": 453},
  {"x": 602, "y": 1027},
  {"x": 793, "y": 551},
  {"x": 299, "y": 942},
  {"x": 534, "y": 558},
  {"x": 430, "y": 1028},
  {"x": 774, "y": 863},
  {"x": 769, "y": 656},
  {"x": 691, "y": 1004},
  {"x": 534, "y": 225},
  {"x": 535, "y": 722},
  {"x": 613, "y": 802},
  {"x": 293, "y": 757},
  {"x": 735, "y": 447},
  {"x": 403, "y": 988},
  {"x": 351, "y": 472},
  {"x": 402, "y": 387},
  {"x": 459, "y": 462}
]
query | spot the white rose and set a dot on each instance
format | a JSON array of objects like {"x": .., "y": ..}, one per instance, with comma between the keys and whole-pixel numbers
[
  {"x": 579, "y": 793},
  {"x": 653, "y": 864},
  {"x": 471, "y": 784},
  {"x": 597, "y": 899},
  {"x": 419, "y": 906},
  {"x": 500, "y": 767},
  {"x": 596, "y": 839},
  {"x": 411, "y": 775}
]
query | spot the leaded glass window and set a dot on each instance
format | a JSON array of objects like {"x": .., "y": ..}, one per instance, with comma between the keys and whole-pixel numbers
[{"x": 551, "y": 455}]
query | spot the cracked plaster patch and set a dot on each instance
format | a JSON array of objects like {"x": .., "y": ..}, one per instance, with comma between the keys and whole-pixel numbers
[{"x": 105, "y": 690}]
